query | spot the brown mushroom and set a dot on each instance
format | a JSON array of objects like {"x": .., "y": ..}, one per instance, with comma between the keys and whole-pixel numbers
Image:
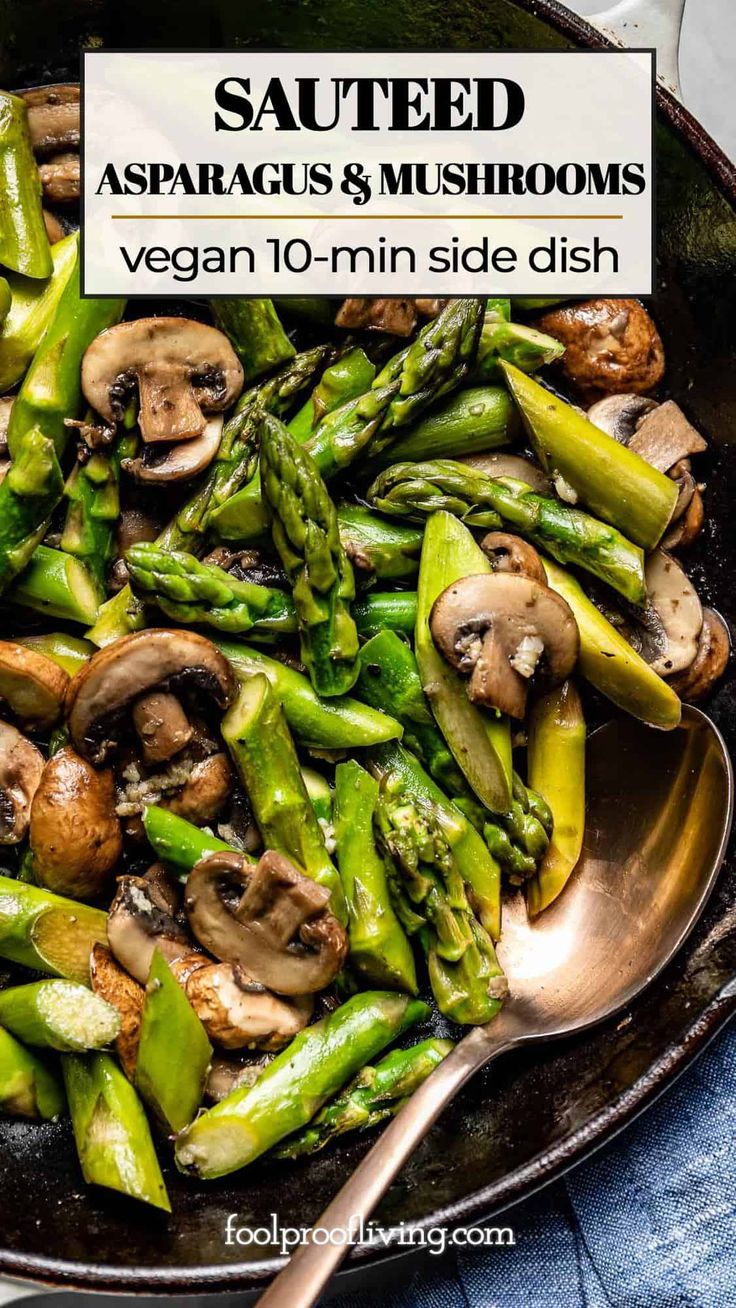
[
  {"x": 619, "y": 415},
  {"x": 237, "y": 1012},
  {"x": 60, "y": 178},
  {"x": 710, "y": 662},
  {"x": 21, "y": 768},
  {"x": 507, "y": 553},
  {"x": 204, "y": 795},
  {"x": 664, "y": 437},
  {"x": 54, "y": 229},
  {"x": 139, "y": 922},
  {"x": 32, "y": 685},
  {"x": 129, "y": 669},
  {"x": 183, "y": 370},
  {"x": 498, "y": 628},
  {"x": 113, "y": 984},
  {"x": 610, "y": 345},
  {"x": 162, "y": 726},
  {"x": 134, "y": 525},
  {"x": 268, "y": 918},
  {"x": 165, "y": 463},
  {"x": 53, "y": 117},
  {"x": 74, "y": 834},
  {"x": 378, "y": 313},
  {"x": 688, "y": 526},
  {"x": 230, "y": 1073}
]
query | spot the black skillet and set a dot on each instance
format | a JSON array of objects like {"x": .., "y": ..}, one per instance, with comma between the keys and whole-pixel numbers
[{"x": 534, "y": 1116}]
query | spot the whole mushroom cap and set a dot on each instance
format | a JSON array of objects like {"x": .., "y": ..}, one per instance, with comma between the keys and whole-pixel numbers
[
  {"x": 610, "y": 345},
  {"x": 75, "y": 834}
]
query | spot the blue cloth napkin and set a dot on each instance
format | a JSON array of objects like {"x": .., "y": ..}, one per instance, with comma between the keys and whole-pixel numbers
[{"x": 648, "y": 1222}]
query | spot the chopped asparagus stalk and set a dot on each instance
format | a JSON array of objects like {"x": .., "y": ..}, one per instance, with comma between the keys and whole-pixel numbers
[
  {"x": 386, "y": 611},
  {"x": 33, "y": 305},
  {"x": 556, "y": 765},
  {"x": 514, "y": 343},
  {"x": 255, "y": 332},
  {"x": 476, "y": 419},
  {"x": 179, "y": 843},
  {"x": 58, "y": 585},
  {"x": 318, "y": 1062},
  {"x": 110, "y": 1130},
  {"x": 24, "y": 245},
  {"x": 61, "y": 1015},
  {"x": 28, "y": 1086},
  {"x": 70, "y": 652},
  {"x": 174, "y": 1088},
  {"x": 378, "y": 547},
  {"x": 46, "y": 932}
]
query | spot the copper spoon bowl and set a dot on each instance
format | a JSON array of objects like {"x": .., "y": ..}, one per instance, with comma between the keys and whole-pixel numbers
[{"x": 659, "y": 812}]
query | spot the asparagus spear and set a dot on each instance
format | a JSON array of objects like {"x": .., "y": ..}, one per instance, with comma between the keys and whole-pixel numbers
[
  {"x": 110, "y": 1129},
  {"x": 400, "y": 772},
  {"x": 58, "y": 585},
  {"x": 61, "y": 1015},
  {"x": 243, "y": 516},
  {"x": 375, "y": 1094},
  {"x": 609, "y": 662},
  {"x": 260, "y": 743},
  {"x": 29, "y": 493},
  {"x": 570, "y": 536},
  {"x": 28, "y": 1086},
  {"x": 68, "y": 651},
  {"x": 480, "y": 742},
  {"x": 556, "y": 762},
  {"x": 308, "y": 543},
  {"x": 321, "y": 798},
  {"x": 342, "y": 723},
  {"x": 386, "y": 610},
  {"x": 6, "y": 299},
  {"x": 379, "y": 950},
  {"x": 92, "y": 491},
  {"x": 383, "y": 549},
  {"x": 389, "y": 675},
  {"x": 255, "y": 333},
  {"x": 296, "y": 1084},
  {"x": 33, "y": 305},
  {"x": 46, "y": 932},
  {"x": 612, "y": 480},
  {"x": 24, "y": 245},
  {"x": 476, "y": 419},
  {"x": 173, "y": 1087},
  {"x": 464, "y": 973},
  {"x": 177, "y": 842},
  {"x": 525, "y": 347}
]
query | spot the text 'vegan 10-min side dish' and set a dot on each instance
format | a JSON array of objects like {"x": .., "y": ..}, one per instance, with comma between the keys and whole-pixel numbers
[{"x": 305, "y": 606}]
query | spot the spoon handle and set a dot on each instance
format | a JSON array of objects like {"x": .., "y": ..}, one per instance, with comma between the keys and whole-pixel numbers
[{"x": 311, "y": 1267}]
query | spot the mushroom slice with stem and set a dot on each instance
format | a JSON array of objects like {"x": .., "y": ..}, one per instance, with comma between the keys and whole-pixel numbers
[
  {"x": 499, "y": 628},
  {"x": 610, "y": 345},
  {"x": 183, "y": 369},
  {"x": 139, "y": 922},
  {"x": 113, "y": 984},
  {"x": 32, "y": 685},
  {"x": 53, "y": 117},
  {"x": 268, "y": 918},
  {"x": 21, "y": 768},
  {"x": 236, "y": 1011},
  {"x": 122, "y": 673},
  {"x": 508, "y": 553},
  {"x": 710, "y": 662},
  {"x": 75, "y": 835},
  {"x": 178, "y": 462}
]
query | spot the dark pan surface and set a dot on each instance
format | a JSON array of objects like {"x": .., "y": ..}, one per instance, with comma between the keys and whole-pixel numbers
[{"x": 530, "y": 1117}]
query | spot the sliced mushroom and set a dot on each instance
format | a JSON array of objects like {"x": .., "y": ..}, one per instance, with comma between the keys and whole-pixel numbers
[
  {"x": 430, "y": 307},
  {"x": 164, "y": 463},
  {"x": 60, "y": 178},
  {"x": 134, "y": 525},
  {"x": 269, "y": 919},
  {"x": 113, "y": 984},
  {"x": 507, "y": 553},
  {"x": 237, "y": 1012},
  {"x": 710, "y": 662},
  {"x": 32, "y": 685},
  {"x": 54, "y": 229},
  {"x": 138, "y": 923},
  {"x": 183, "y": 369},
  {"x": 378, "y": 313},
  {"x": 109, "y": 685},
  {"x": 53, "y": 117},
  {"x": 620, "y": 415},
  {"x": 665, "y": 436},
  {"x": 162, "y": 726},
  {"x": 610, "y": 345},
  {"x": 249, "y": 565},
  {"x": 75, "y": 835},
  {"x": 204, "y": 795},
  {"x": 498, "y": 628},
  {"x": 501, "y": 464},
  {"x": 228, "y": 1074},
  {"x": 687, "y": 527},
  {"x": 21, "y": 768},
  {"x": 673, "y": 617}
]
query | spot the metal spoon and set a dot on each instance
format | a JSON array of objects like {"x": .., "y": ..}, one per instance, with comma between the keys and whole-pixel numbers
[{"x": 659, "y": 810}]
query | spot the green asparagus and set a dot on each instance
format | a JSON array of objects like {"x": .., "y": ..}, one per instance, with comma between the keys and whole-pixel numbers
[
  {"x": 61, "y": 1015},
  {"x": 33, "y": 305},
  {"x": 556, "y": 764},
  {"x": 260, "y": 743},
  {"x": 110, "y": 1130},
  {"x": 58, "y": 585},
  {"x": 24, "y": 245},
  {"x": 68, "y": 651},
  {"x": 28, "y": 1086},
  {"x": 376, "y": 1094},
  {"x": 255, "y": 333},
  {"x": 379, "y": 548},
  {"x": 46, "y": 932},
  {"x": 308, "y": 542},
  {"x": 174, "y": 1088},
  {"x": 92, "y": 492},
  {"x": 379, "y": 949},
  {"x": 514, "y": 343},
  {"x": 386, "y": 610},
  {"x": 472, "y": 421},
  {"x": 613, "y": 481},
  {"x": 6, "y": 299},
  {"x": 318, "y": 1062},
  {"x": 570, "y": 536},
  {"x": 178, "y": 843}
]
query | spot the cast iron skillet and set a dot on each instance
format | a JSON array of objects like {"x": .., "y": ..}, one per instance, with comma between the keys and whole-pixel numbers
[{"x": 532, "y": 1116}]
